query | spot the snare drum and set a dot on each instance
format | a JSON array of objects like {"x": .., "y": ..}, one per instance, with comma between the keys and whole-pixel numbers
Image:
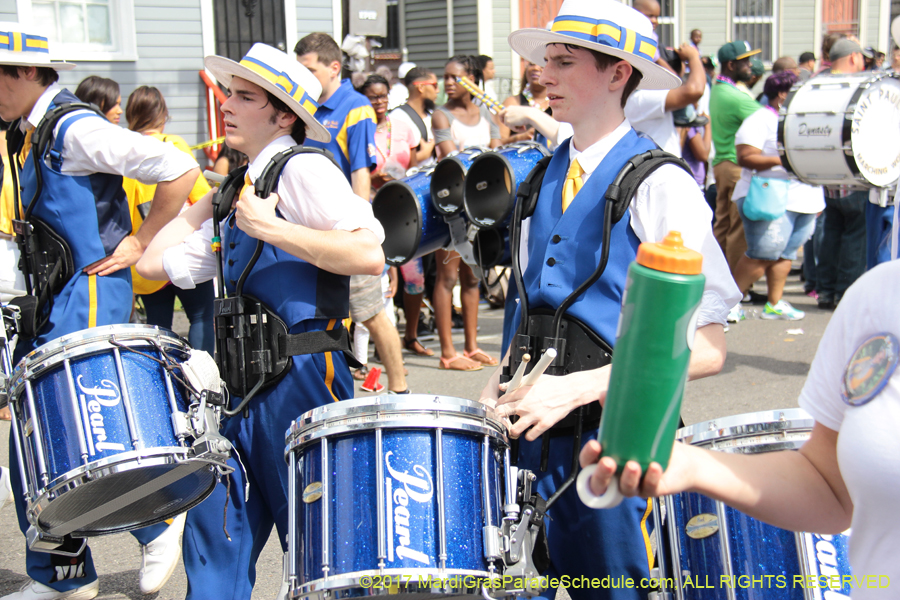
[
  {"x": 406, "y": 486},
  {"x": 717, "y": 551},
  {"x": 842, "y": 130},
  {"x": 103, "y": 432}
]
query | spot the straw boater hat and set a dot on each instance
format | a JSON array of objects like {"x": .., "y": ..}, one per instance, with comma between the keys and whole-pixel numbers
[
  {"x": 280, "y": 74},
  {"x": 605, "y": 26},
  {"x": 22, "y": 49}
]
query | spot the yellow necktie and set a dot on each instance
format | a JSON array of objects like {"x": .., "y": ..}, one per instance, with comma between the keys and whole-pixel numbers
[
  {"x": 572, "y": 185},
  {"x": 26, "y": 148}
]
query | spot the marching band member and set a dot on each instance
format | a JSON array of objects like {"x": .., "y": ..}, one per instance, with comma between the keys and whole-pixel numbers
[
  {"x": 316, "y": 233},
  {"x": 83, "y": 202},
  {"x": 596, "y": 53}
]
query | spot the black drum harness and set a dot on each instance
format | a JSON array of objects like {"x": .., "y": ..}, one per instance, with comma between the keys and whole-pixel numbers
[
  {"x": 45, "y": 257},
  {"x": 253, "y": 344}
]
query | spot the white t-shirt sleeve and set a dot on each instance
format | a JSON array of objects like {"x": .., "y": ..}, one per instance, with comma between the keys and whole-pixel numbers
[
  {"x": 94, "y": 145},
  {"x": 314, "y": 193},
  {"x": 192, "y": 261},
  {"x": 754, "y": 131},
  {"x": 669, "y": 200},
  {"x": 645, "y": 105}
]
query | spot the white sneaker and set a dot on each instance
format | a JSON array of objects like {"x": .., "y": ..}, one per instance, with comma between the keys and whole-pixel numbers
[
  {"x": 160, "y": 557},
  {"x": 6, "y": 493},
  {"x": 736, "y": 314},
  {"x": 32, "y": 590}
]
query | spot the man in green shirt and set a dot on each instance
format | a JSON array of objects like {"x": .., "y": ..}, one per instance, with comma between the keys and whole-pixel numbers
[{"x": 728, "y": 107}]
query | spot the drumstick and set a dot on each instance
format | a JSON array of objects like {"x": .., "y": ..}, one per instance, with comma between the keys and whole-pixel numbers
[
  {"x": 492, "y": 105},
  {"x": 516, "y": 382},
  {"x": 548, "y": 357}
]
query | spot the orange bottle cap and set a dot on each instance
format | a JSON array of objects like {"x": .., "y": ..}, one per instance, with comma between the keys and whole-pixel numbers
[{"x": 670, "y": 256}]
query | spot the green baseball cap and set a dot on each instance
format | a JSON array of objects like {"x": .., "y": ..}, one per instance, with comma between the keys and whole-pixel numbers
[
  {"x": 736, "y": 51},
  {"x": 756, "y": 66}
]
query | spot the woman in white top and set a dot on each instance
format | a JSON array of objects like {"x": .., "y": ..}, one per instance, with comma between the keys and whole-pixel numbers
[
  {"x": 457, "y": 125},
  {"x": 772, "y": 245},
  {"x": 461, "y": 123}
]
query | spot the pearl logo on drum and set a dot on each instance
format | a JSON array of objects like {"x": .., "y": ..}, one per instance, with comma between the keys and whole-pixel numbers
[
  {"x": 93, "y": 400},
  {"x": 416, "y": 488}
]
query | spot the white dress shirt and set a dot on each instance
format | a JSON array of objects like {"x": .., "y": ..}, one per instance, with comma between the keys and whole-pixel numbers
[
  {"x": 668, "y": 200},
  {"x": 312, "y": 192},
  {"x": 97, "y": 146}
]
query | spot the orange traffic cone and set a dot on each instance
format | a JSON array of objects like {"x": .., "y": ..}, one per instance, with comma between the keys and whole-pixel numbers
[{"x": 371, "y": 383}]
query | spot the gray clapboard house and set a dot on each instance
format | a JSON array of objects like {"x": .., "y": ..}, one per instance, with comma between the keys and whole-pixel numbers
[{"x": 162, "y": 42}]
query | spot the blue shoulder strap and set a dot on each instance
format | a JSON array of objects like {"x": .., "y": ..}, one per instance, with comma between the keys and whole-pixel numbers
[{"x": 56, "y": 152}]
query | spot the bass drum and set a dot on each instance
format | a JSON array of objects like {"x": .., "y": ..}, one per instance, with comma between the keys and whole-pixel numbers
[{"x": 842, "y": 130}]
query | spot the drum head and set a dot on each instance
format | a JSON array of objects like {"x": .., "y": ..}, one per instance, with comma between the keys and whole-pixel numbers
[
  {"x": 874, "y": 132},
  {"x": 751, "y": 433},
  {"x": 128, "y": 497}
]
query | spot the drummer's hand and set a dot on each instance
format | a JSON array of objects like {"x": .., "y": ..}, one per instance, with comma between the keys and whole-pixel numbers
[
  {"x": 127, "y": 253},
  {"x": 656, "y": 482},
  {"x": 4, "y": 414},
  {"x": 542, "y": 405},
  {"x": 379, "y": 178},
  {"x": 255, "y": 215},
  {"x": 491, "y": 391}
]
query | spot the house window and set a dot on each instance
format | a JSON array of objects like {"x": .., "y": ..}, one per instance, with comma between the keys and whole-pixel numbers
[
  {"x": 841, "y": 16},
  {"x": 89, "y": 29},
  {"x": 754, "y": 21},
  {"x": 668, "y": 24}
]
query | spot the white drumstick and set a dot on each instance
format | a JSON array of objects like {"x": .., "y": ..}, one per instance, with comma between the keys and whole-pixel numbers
[
  {"x": 548, "y": 357},
  {"x": 516, "y": 382},
  {"x": 214, "y": 177}
]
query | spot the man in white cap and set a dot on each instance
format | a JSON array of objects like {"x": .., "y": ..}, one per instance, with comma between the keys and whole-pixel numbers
[
  {"x": 596, "y": 53},
  {"x": 82, "y": 201},
  {"x": 316, "y": 233}
]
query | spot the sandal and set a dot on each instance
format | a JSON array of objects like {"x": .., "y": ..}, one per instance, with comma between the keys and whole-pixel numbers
[
  {"x": 416, "y": 347},
  {"x": 361, "y": 373},
  {"x": 481, "y": 356},
  {"x": 452, "y": 364}
]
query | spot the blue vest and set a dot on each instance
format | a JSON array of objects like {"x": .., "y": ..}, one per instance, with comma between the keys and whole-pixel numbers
[
  {"x": 564, "y": 249},
  {"x": 90, "y": 212},
  {"x": 295, "y": 289}
]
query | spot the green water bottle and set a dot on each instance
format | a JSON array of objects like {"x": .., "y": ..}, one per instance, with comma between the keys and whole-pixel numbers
[{"x": 650, "y": 360}]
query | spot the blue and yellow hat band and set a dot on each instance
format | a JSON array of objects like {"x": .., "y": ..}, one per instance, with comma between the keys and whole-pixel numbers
[
  {"x": 281, "y": 80},
  {"x": 15, "y": 41},
  {"x": 606, "y": 33}
]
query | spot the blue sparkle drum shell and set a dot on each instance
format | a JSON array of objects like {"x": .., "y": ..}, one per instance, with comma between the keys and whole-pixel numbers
[
  {"x": 716, "y": 551},
  {"x": 412, "y": 226},
  {"x": 385, "y": 486},
  {"x": 494, "y": 177},
  {"x": 93, "y": 424},
  {"x": 448, "y": 181}
]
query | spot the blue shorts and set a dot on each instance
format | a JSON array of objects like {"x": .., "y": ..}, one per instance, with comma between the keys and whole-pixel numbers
[{"x": 772, "y": 240}]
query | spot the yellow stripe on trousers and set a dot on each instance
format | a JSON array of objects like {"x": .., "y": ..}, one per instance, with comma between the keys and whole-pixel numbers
[
  {"x": 646, "y": 534},
  {"x": 329, "y": 364},
  {"x": 92, "y": 300}
]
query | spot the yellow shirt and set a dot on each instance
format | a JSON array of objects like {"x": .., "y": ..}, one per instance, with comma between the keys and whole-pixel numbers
[
  {"x": 7, "y": 200},
  {"x": 139, "y": 197}
]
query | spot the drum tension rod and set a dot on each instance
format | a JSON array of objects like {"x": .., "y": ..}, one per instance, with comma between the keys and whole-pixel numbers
[{"x": 168, "y": 364}]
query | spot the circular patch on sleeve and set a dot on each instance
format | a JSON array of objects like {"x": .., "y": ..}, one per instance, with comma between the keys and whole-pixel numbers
[{"x": 870, "y": 368}]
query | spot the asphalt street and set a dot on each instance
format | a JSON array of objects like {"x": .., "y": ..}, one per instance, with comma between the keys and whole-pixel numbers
[{"x": 765, "y": 369}]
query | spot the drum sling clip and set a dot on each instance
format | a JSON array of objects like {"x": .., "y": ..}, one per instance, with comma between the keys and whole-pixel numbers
[{"x": 525, "y": 551}]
